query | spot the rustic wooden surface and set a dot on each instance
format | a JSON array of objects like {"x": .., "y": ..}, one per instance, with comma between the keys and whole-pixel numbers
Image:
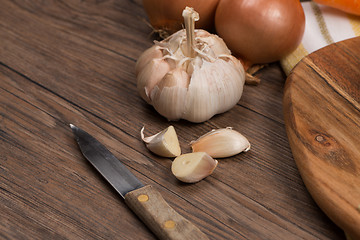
[
  {"x": 73, "y": 61},
  {"x": 324, "y": 135}
]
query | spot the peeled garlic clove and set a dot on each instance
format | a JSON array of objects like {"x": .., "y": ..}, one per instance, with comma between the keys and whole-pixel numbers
[
  {"x": 193, "y": 167},
  {"x": 221, "y": 143},
  {"x": 164, "y": 143}
]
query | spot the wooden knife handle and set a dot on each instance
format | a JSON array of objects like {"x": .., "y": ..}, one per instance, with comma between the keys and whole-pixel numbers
[{"x": 164, "y": 221}]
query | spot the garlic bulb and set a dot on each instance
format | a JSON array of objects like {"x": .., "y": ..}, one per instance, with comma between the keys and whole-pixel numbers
[
  {"x": 193, "y": 167},
  {"x": 190, "y": 75},
  {"x": 221, "y": 143},
  {"x": 164, "y": 143}
]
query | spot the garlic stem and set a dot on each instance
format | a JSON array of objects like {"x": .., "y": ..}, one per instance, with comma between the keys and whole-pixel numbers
[{"x": 190, "y": 16}]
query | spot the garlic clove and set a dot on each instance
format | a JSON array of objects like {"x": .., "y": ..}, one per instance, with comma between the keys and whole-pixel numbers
[
  {"x": 168, "y": 97},
  {"x": 151, "y": 75},
  {"x": 164, "y": 143},
  {"x": 193, "y": 167},
  {"x": 215, "y": 87},
  {"x": 149, "y": 54},
  {"x": 211, "y": 44},
  {"x": 221, "y": 143}
]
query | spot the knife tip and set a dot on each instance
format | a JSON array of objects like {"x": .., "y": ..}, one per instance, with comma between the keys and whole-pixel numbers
[{"x": 73, "y": 127}]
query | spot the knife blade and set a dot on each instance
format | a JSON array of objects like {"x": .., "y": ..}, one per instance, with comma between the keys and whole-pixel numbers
[{"x": 144, "y": 200}]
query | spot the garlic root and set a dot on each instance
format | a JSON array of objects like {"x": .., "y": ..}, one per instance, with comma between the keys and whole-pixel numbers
[
  {"x": 251, "y": 80},
  {"x": 255, "y": 68},
  {"x": 164, "y": 143},
  {"x": 221, "y": 143},
  {"x": 193, "y": 167}
]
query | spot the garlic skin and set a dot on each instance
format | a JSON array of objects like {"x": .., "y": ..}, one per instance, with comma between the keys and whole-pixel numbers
[
  {"x": 193, "y": 85},
  {"x": 221, "y": 143},
  {"x": 164, "y": 143},
  {"x": 193, "y": 167}
]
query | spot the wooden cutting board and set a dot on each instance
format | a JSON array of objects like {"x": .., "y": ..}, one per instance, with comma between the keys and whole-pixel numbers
[{"x": 322, "y": 118}]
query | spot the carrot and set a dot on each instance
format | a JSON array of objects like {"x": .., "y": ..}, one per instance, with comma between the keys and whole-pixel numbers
[{"x": 349, "y": 6}]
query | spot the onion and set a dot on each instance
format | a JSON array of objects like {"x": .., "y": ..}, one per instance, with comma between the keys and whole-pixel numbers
[
  {"x": 260, "y": 31},
  {"x": 166, "y": 15}
]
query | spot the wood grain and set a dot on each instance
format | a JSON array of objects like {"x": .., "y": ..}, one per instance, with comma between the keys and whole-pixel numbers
[
  {"x": 73, "y": 61},
  {"x": 322, "y": 115}
]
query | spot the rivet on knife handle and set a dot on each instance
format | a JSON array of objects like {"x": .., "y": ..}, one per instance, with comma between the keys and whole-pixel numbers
[{"x": 163, "y": 220}]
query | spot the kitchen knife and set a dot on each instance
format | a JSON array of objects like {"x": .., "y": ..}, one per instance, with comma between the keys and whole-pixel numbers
[{"x": 145, "y": 201}]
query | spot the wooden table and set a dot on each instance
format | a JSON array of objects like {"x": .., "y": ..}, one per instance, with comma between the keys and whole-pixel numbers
[{"x": 67, "y": 62}]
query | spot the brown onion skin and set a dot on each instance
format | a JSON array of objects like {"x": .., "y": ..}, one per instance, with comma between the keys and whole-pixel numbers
[
  {"x": 167, "y": 14},
  {"x": 260, "y": 31}
]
